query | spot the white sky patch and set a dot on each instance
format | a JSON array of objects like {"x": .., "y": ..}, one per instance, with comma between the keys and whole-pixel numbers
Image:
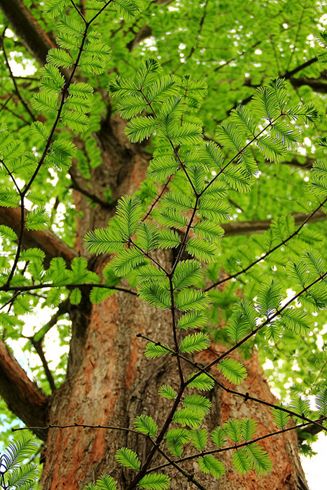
[
  {"x": 150, "y": 43},
  {"x": 52, "y": 348},
  {"x": 323, "y": 20},
  {"x": 21, "y": 67},
  {"x": 315, "y": 467}
]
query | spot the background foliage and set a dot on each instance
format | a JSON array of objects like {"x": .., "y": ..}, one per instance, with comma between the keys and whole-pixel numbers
[{"x": 177, "y": 72}]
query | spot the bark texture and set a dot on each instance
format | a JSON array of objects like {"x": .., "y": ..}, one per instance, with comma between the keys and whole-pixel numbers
[
  {"x": 21, "y": 395},
  {"x": 109, "y": 381}
]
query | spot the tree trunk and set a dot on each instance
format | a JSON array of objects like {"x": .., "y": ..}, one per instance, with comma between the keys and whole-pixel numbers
[{"x": 110, "y": 382}]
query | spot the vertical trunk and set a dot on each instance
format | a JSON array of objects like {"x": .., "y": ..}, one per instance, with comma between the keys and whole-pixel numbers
[
  {"x": 112, "y": 383},
  {"x": 109, "y": 381}
]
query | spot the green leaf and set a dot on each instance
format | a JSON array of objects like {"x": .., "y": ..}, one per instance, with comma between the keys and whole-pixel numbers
[
  {"x": 37, "y": 220},
  {"x": 187, "y": 273},
  {"x": 321, "y": 402},
  {"x": 168, "y": 392},
  {"x": 155, "y": 295},
  {"x": 233, "y": 370},
  {"x": 126, "y": 261},
  {"x": 193, "y": 319},
  {"x": 201, "y": 249},
  {"x": 202, "y": 382},
  {"x": 9, "y": 199},
  {"x": 260, "y": 459},
  {"x": 97, "y": 295},
  {"x": 75, "y": 296},
  {"x": 241, "y": 460},
  {"x": 198, "y": 403},
  {"x": 199, "y": 438},
  {"x": 104, "y": 240},
  {"x": 59, "y": 58},
  {"x": 176, "y": 440},
  {"x": 191, "y": 299},
  {"x": 269, "y": 297},
  {"x": 146, "y": 425},
  {"x": 7, "y": 232},
  {"x": 218, "y": 436},
  {"x": 80, "y": 274},
  {"x": 168, "y": 239},
  {"x": 194, "y": 343},
  {"x": 129, "y": 214},
  {"x": 210, "y": 465},
  {"x": 128, "y": 458},
  {"x": 153, "y": 350},
  {"x": 104, "y": 483},
  {"x": 155, "y": 481},
  {"x": 248, "y": 429},
  {"x": 189, "y": 417},
  {"x": 141, "y": 128},
  {"x": 280, "y": 418},
  {"x": 233, "y": 429}
]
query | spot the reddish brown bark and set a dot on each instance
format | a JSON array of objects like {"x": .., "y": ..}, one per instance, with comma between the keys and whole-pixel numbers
[
  {"x": 47, "y": 241},
  {"x": 108, "y": 379},
  {"x": 22, "y": 396}
]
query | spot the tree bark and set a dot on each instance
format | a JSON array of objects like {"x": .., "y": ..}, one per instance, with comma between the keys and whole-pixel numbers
[
  {"x": 110, "y": 382},
  {"x": 22, "y": 396}
]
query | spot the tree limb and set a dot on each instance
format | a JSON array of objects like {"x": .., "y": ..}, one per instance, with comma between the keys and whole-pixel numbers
[
  {"x": 46, "y": 240},
  {"x": 247, "y": 227},
  {"x": 27, "y": 28},
  {"x": 317, "y": 84},
  {"x": 307, "y": 164},
  {"x": 21, "y": 395}
]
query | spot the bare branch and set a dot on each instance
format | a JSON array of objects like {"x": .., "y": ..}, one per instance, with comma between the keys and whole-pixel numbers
[
  {"x": 46, "y": 240},
  {"x": 21, "y": 395},
  {"x": 27, "y": 28},
  {"x": 13, "y": 79},
  {"x": 247, "y": 227},
  {"x": 317, "y": 84},
  {"x": 308, "y": 218}
]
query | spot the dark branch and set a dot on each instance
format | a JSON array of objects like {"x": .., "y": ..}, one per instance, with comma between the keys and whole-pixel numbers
[
  {"x": 317, "y": 84},
  {"x": 229, "y": 448},
  {"x": 13, "y": 79}
]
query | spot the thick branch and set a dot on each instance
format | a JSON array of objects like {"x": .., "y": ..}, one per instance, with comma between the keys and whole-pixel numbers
[
  {"x": 27, "y": 28},
  {"x": 307, "y": 164},
  {"x": 317, "y": 84},
  {"x": 21, "y": 395},
  {"x": 247, "y": 227},
  {"x": 46, "y": 240},
  {"x": 310, "y": 430}
]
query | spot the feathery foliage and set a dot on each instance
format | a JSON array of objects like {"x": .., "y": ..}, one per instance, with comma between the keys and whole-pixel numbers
[{"x": 224, "y": 127}]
